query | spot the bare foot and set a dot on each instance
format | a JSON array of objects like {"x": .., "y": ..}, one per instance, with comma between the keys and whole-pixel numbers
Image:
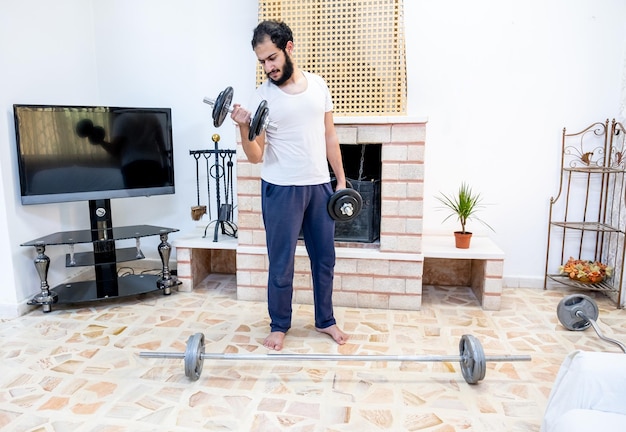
[
  {"x": 274, "y": 341},
  {"x": 336, "y": 333}
]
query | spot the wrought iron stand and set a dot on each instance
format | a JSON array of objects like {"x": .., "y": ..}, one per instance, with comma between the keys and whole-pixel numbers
[{"x": 220, "y": 172}]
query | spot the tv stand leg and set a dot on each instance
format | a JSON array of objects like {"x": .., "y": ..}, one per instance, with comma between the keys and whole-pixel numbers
[
  {"x": 166, "y": 281},
  {"x": 47, "y": 296}
]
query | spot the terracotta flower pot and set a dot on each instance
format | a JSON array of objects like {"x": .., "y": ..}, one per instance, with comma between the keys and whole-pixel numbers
[{"x": 462, "y": 239}]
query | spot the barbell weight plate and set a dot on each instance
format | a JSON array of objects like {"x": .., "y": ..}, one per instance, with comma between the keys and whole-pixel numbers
[
  {"x": 570, "y": 305},
  {"x": 258, "y": 121},
  {"x": 221, "y": 106},
  {"x": 194, "y": 359},
  {"x": 345, "y": 204},
  {"x": 264, "y": 120},
  {"x": 473, "y": 362}
]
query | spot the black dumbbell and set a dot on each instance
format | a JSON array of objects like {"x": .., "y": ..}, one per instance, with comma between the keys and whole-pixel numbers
[
  {"x": 86, "y": 129},
  {"x": 221, "y": 107},
  {"x": 345, "y": 204}
]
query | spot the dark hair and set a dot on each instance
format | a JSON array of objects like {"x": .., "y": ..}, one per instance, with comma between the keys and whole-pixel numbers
[{"x": 277, "y": 31}]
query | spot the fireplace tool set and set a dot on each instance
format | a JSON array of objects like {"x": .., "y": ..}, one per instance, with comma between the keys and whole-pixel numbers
[{"x": 219, "y": 171}]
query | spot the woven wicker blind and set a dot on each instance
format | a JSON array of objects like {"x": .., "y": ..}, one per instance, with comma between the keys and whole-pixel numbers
[{"x": 357, "y": 46}]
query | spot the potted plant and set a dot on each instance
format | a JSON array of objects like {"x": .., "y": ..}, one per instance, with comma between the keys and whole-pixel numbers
[{"x": 464, "y": 205}]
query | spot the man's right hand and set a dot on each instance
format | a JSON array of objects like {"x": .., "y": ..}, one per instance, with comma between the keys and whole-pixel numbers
[{"x": 241, "y": 116}]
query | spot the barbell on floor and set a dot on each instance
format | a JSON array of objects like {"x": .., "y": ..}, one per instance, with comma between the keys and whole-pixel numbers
[
  {"x": 471, "y": 357},
  {"x": 221, "y": 107},
  {"x": 578, "y": 312}
]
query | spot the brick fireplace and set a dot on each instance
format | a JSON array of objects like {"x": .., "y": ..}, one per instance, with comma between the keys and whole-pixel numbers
[{"x": 386, "y": 274}]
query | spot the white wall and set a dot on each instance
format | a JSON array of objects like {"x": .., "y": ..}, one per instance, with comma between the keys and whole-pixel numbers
[
  {"x": 498, "y": 80},
  {"x": 114, "y": 52},
  {"x": 47, "y": 57}
]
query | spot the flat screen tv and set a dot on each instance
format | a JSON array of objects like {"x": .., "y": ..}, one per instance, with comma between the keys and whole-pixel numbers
[{"x": 76, "y": 153}]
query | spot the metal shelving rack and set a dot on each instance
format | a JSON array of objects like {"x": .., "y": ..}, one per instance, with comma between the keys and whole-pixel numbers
[{"x": 587, "y": 218}]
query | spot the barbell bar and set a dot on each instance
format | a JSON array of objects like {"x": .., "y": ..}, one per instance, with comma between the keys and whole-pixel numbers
[
  {"x": 221, "y": 107},
  {"x": 471, "y": 357},
  {"x": 577, "y": 312}
]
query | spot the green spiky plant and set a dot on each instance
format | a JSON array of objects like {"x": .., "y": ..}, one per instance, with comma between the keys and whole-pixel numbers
[{"x": 464, "y": 205}]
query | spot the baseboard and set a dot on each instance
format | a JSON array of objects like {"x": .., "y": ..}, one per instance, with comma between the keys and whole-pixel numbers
[
  {"x": 523, "y": 282},
  {"x": 9, "y": 311}
]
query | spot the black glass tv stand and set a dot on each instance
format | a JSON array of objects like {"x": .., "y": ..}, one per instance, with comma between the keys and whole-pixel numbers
[{"x": 104, "y": 259}]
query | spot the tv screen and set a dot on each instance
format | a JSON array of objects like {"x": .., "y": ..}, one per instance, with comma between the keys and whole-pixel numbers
[{"x": 75, "y": 153}]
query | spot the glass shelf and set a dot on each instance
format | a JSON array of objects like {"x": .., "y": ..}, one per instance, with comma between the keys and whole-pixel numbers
[
  {"x": 103, "y": 259},
  {"x": 89, "y": 236}
]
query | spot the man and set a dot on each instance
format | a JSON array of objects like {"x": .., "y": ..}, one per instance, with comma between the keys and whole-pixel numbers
[{"x": 295, "y": 178}]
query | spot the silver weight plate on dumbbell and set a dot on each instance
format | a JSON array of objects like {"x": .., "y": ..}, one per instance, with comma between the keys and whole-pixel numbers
[
  {"x": 221, "y": 106},
  {"x": 568, "y": 307},
  {"x": 473, "y": 363},
  {"x": 194, "y": 359}
]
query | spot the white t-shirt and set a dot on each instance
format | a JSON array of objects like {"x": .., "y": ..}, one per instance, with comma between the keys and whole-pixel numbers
[{"x": 295, "y": 153}]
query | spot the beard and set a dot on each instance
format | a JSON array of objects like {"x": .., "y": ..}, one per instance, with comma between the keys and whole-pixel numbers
[{"x": 287, "y": 70}]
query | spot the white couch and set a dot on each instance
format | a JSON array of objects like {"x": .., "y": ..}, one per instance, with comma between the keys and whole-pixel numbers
[{"x": 589, "y": 392}]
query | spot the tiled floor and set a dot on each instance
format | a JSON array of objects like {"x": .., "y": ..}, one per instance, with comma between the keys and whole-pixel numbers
[{"x": 77, "y": 368}]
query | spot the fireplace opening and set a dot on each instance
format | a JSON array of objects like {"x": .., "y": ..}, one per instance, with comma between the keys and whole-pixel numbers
[
  {"x": 366, "y": 156},
  {"x": 362, "y": 165}
]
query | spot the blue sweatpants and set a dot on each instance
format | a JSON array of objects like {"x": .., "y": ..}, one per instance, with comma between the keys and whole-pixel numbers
[{"x": 287, "y": 210}]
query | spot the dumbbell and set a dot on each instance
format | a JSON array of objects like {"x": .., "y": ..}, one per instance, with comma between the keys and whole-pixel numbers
[
  {"x": 577, "y": 312},
  {"x": 86, "y": 129},
  {"x": 345, "y": 204},
  {"x": 221, "y": 107}
]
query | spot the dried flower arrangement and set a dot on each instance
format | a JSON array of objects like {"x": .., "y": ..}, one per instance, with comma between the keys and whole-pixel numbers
[{"x": 585, "y": 270}]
